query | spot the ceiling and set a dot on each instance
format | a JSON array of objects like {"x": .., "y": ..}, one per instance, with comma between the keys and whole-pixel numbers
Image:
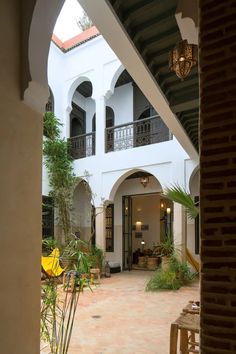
[
  {"x": 152, "y": 27},
  {"x": 124, "y": 78},
  {"x": 139, "y": 174},
  {"x": 85, "y": 89}
]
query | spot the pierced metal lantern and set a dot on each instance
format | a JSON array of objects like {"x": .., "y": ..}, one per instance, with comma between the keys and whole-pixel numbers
[{"x": 182, "y": 58}]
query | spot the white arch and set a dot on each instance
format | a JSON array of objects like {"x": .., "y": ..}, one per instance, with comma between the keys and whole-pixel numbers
[
  {"x": 194, "y": 181},
  {"x": 112, "y": 79},
  {"x": 73, "y": 86},
  {"x": 122, "y": 177},
  {"x": 45, "y": 12}
]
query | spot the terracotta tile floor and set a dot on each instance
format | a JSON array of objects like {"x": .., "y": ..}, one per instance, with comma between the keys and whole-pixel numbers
[{"x": 119, "y": 317}]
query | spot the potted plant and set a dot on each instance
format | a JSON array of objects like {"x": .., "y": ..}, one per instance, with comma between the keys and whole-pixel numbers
[{"x": 167, "y": 250}]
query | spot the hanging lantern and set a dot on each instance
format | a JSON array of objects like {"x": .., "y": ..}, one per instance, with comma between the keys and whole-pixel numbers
[
  {"x": 144, "y": 181},
  {"x": 182, "y": 58}
]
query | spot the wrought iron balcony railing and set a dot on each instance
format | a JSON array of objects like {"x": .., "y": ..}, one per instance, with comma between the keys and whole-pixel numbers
[
  {"x": 137, "y": 133},
  {"x": 82, "y": 145}
]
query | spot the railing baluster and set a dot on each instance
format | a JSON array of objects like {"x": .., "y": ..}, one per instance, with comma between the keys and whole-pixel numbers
[
  {"x": 138, "y": 133},
  {"x": 82, "y": 145}
]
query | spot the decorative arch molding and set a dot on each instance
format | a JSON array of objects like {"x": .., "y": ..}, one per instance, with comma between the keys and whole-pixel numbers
[
  {"x": 36, "y": 91},
  {"x": 187, "y": 20},
  {"x": 121, "y": 178},
  {"x": 79, "y": 80},
  {"x": 111, "y": 82}
]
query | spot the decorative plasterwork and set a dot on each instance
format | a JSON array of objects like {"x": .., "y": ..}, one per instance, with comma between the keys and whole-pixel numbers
[{"x": 187, "y": 20}]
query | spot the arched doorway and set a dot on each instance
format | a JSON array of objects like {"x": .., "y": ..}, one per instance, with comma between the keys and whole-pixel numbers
[{"x": 142, "y": 217}]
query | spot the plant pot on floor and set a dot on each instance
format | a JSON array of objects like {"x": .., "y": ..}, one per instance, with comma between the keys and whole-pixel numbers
[{"x": 165, "y": 262}]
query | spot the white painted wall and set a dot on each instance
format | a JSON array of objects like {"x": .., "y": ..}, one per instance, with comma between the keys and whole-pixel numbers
[
  {"x": 94, "y": 61},
  {"x": 88, "y": 105},
  {"x": 122, "y": 104}
]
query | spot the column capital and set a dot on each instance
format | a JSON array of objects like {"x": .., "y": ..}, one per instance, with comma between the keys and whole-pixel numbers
[{"x": 36, "y": 96}]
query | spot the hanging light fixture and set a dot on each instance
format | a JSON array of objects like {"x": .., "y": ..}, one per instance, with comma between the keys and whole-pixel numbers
[
  {"x": 144, "y": 181},
  {"x": 182, "y": 58}
]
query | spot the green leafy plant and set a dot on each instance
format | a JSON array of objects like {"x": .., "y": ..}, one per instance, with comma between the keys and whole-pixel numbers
[
  {"x": 88, "y": 255},
  {"x": 58, "y": 310},
  {"x": 59, "y": 164},
  {"x": 176, "y": 275},
  {"x": 51, "y": 126},
  {"x": 181, "y": 196},
  {"x": 167, "y": 247},
  {"x": 163, "y": 280},
  {"x": 48, "y": 244}
]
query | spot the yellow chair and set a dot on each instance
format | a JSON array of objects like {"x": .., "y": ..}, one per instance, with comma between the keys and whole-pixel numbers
[{"x": 51, "y": 264}]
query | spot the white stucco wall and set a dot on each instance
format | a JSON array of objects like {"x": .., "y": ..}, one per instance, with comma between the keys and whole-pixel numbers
[
  {"x": 122, "y": 104},
  {"x": 94, "y": 61}
]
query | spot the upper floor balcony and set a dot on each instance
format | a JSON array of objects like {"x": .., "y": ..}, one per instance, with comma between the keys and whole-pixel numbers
[{"x": 134, "y": 134}]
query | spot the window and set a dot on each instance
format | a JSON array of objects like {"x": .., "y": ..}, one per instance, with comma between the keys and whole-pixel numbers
[{"x": 109, "y": 228}]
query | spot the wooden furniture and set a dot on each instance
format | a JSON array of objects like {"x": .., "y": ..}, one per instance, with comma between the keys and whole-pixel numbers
[
  {"x": 192, "y": 307},
  {"x": 187, "y": 326},
  {"x": 95, "y": 272}
]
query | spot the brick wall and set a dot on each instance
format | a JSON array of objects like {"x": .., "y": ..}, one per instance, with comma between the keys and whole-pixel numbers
[{"x": 218, "y": 175}]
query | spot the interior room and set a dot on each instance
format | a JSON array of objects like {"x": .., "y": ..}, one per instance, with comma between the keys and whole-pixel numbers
[{"x": 152, "y": 220}]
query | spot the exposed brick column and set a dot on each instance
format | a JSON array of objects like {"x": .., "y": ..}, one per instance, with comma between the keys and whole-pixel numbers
[{"x": 218, "y": 175}]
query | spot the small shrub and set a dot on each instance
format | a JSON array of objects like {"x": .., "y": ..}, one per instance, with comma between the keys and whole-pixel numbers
[
  {"x": 176, "y": 275},
  {"x": 182, "y": 270},
  {"x": 163, "y": 280}
]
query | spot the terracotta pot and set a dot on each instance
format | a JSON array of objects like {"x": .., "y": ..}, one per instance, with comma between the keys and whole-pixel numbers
[{"x": 165, "y": 262}]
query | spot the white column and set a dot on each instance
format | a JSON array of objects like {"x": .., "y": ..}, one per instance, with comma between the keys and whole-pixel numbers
[
  {"x": 100, "y": 125},
  {"x": 100, "y": 227},
  {"x": 179, "y": 230}
]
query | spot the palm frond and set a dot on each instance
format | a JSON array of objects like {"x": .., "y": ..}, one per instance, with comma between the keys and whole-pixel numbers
[{"x": 179, "y": 195}]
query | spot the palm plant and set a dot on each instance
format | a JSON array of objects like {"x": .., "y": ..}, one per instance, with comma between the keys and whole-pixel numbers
[{"x": 181, "y": 196}]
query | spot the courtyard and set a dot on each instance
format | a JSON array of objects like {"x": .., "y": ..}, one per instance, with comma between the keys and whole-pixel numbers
[{"x": 120, "y": 317}]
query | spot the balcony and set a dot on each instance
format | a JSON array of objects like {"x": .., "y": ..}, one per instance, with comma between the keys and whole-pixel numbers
[
  {"x": 142, "y": 132},
  {"x": 82, "y": 145}
]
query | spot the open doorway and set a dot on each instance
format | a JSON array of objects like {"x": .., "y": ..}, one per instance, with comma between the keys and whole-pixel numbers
[{"x": 147, "y": 219}]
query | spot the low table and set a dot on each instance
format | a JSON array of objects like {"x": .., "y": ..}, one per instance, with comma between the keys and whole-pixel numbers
[{"x": 187, "y": 325}]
